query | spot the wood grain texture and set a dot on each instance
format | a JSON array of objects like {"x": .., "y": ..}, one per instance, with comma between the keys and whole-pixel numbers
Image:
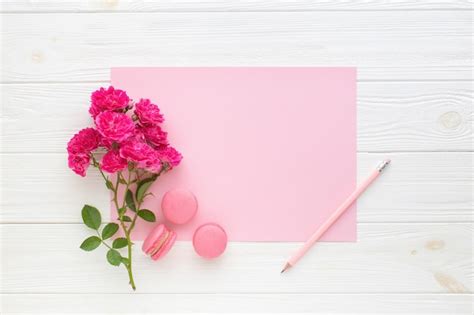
[
  {"x": 400, "y": 116},
  {"x": 45, "y": 6},
  {"x": 388, "y": 258},
  {"x": 392, "y": 45},
  {"x": 414, "y": 254},
  {"x": 418, "y": 187},
  {"x": 241, "y": 303}
]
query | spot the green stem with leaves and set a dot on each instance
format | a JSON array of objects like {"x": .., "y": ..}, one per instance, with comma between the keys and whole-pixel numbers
[
  {"x": 92, "y": 218},
  {"x": 127, "y": 232}
]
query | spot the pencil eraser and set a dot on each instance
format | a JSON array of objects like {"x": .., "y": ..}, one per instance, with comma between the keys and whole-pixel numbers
[
  {"x": 179, "y": 206},
  {"x": 210, "y": 240}
]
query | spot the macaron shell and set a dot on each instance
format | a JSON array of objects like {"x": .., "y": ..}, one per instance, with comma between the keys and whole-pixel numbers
[
  {"x": 165, "y": 248},
  {"x": 154, "y": 236},
  {"x": 179, "y": 206},
  {"x": 210, "y": 240}
]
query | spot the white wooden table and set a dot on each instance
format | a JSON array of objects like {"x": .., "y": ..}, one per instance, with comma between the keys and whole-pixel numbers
[{"x": 415, "y": 105}]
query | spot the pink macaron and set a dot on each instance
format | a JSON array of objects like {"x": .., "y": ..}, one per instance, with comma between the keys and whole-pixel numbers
[
  {"x": 210, "y": 240},
  {"x": 179, "y": 206},
  {"x": 159, "y": 242}
]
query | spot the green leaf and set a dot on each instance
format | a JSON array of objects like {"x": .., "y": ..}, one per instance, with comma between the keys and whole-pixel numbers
[
  {"x": 126, "y": 218},
  {"x": 91, "y": 217},
  {"x": 129, "y": 200},
  {"x": 125, "y": 261},
  {"x": 90, "y": 243},
  {"x": 109, "y": 185},
  {"x": 114, "y": 257},
  {"x": 109, "y": 230},
  {"x": 143, "y": 186},
  {"x": 120, "y": 242},
  {"x": 122, "y": 211},
  {"x": 147, "y": 215}
]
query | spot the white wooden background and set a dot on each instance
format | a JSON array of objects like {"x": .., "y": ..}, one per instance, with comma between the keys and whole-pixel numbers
[{"x": 415, "y": 105}]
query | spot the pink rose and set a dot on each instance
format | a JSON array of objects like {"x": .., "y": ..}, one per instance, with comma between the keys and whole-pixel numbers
[
  {"x": 170, "y": 155},
  {"x": 135, "y": 151},
  {"x": 108, "y": 100},
  {"x": 155, "y": 136},
  {"x": 107, "y": 143},
  {"x": 84, "y": 141},
  {"x": 148, "y": 113},
  {"x": 112, "y": 162},
  {"x": 152, "y": 164},
  {"x": 142, "y": 154},
  {"x": 115, "y": 126},
  {"x": 79, "y": 162}
]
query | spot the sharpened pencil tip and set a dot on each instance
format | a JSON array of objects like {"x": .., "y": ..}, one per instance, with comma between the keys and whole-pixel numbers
[{"x": 287, "y": 266}]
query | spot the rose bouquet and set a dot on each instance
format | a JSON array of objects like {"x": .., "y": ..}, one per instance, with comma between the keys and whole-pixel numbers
[{"x": 130, "y": 149}]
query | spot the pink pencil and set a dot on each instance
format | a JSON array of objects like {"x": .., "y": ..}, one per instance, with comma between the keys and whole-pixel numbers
[{"x": 333, "y": 218}]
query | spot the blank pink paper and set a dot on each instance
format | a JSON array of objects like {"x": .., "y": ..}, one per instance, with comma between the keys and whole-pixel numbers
[{"x": 269, "y": 152}]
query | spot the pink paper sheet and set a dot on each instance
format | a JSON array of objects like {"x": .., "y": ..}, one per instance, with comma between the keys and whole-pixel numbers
[{"x": 269, "y": 152}]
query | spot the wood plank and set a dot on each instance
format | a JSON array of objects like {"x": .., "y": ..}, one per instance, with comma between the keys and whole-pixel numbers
[
  {"x": 397, "y": 116},
  {"x": 388, "y": 258},
  {"x": 239, "y": 303},
  {"x": 385, "y": 45},
  {"x": 225, "y": 6},
  {"x": 418, "y": 187}
]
